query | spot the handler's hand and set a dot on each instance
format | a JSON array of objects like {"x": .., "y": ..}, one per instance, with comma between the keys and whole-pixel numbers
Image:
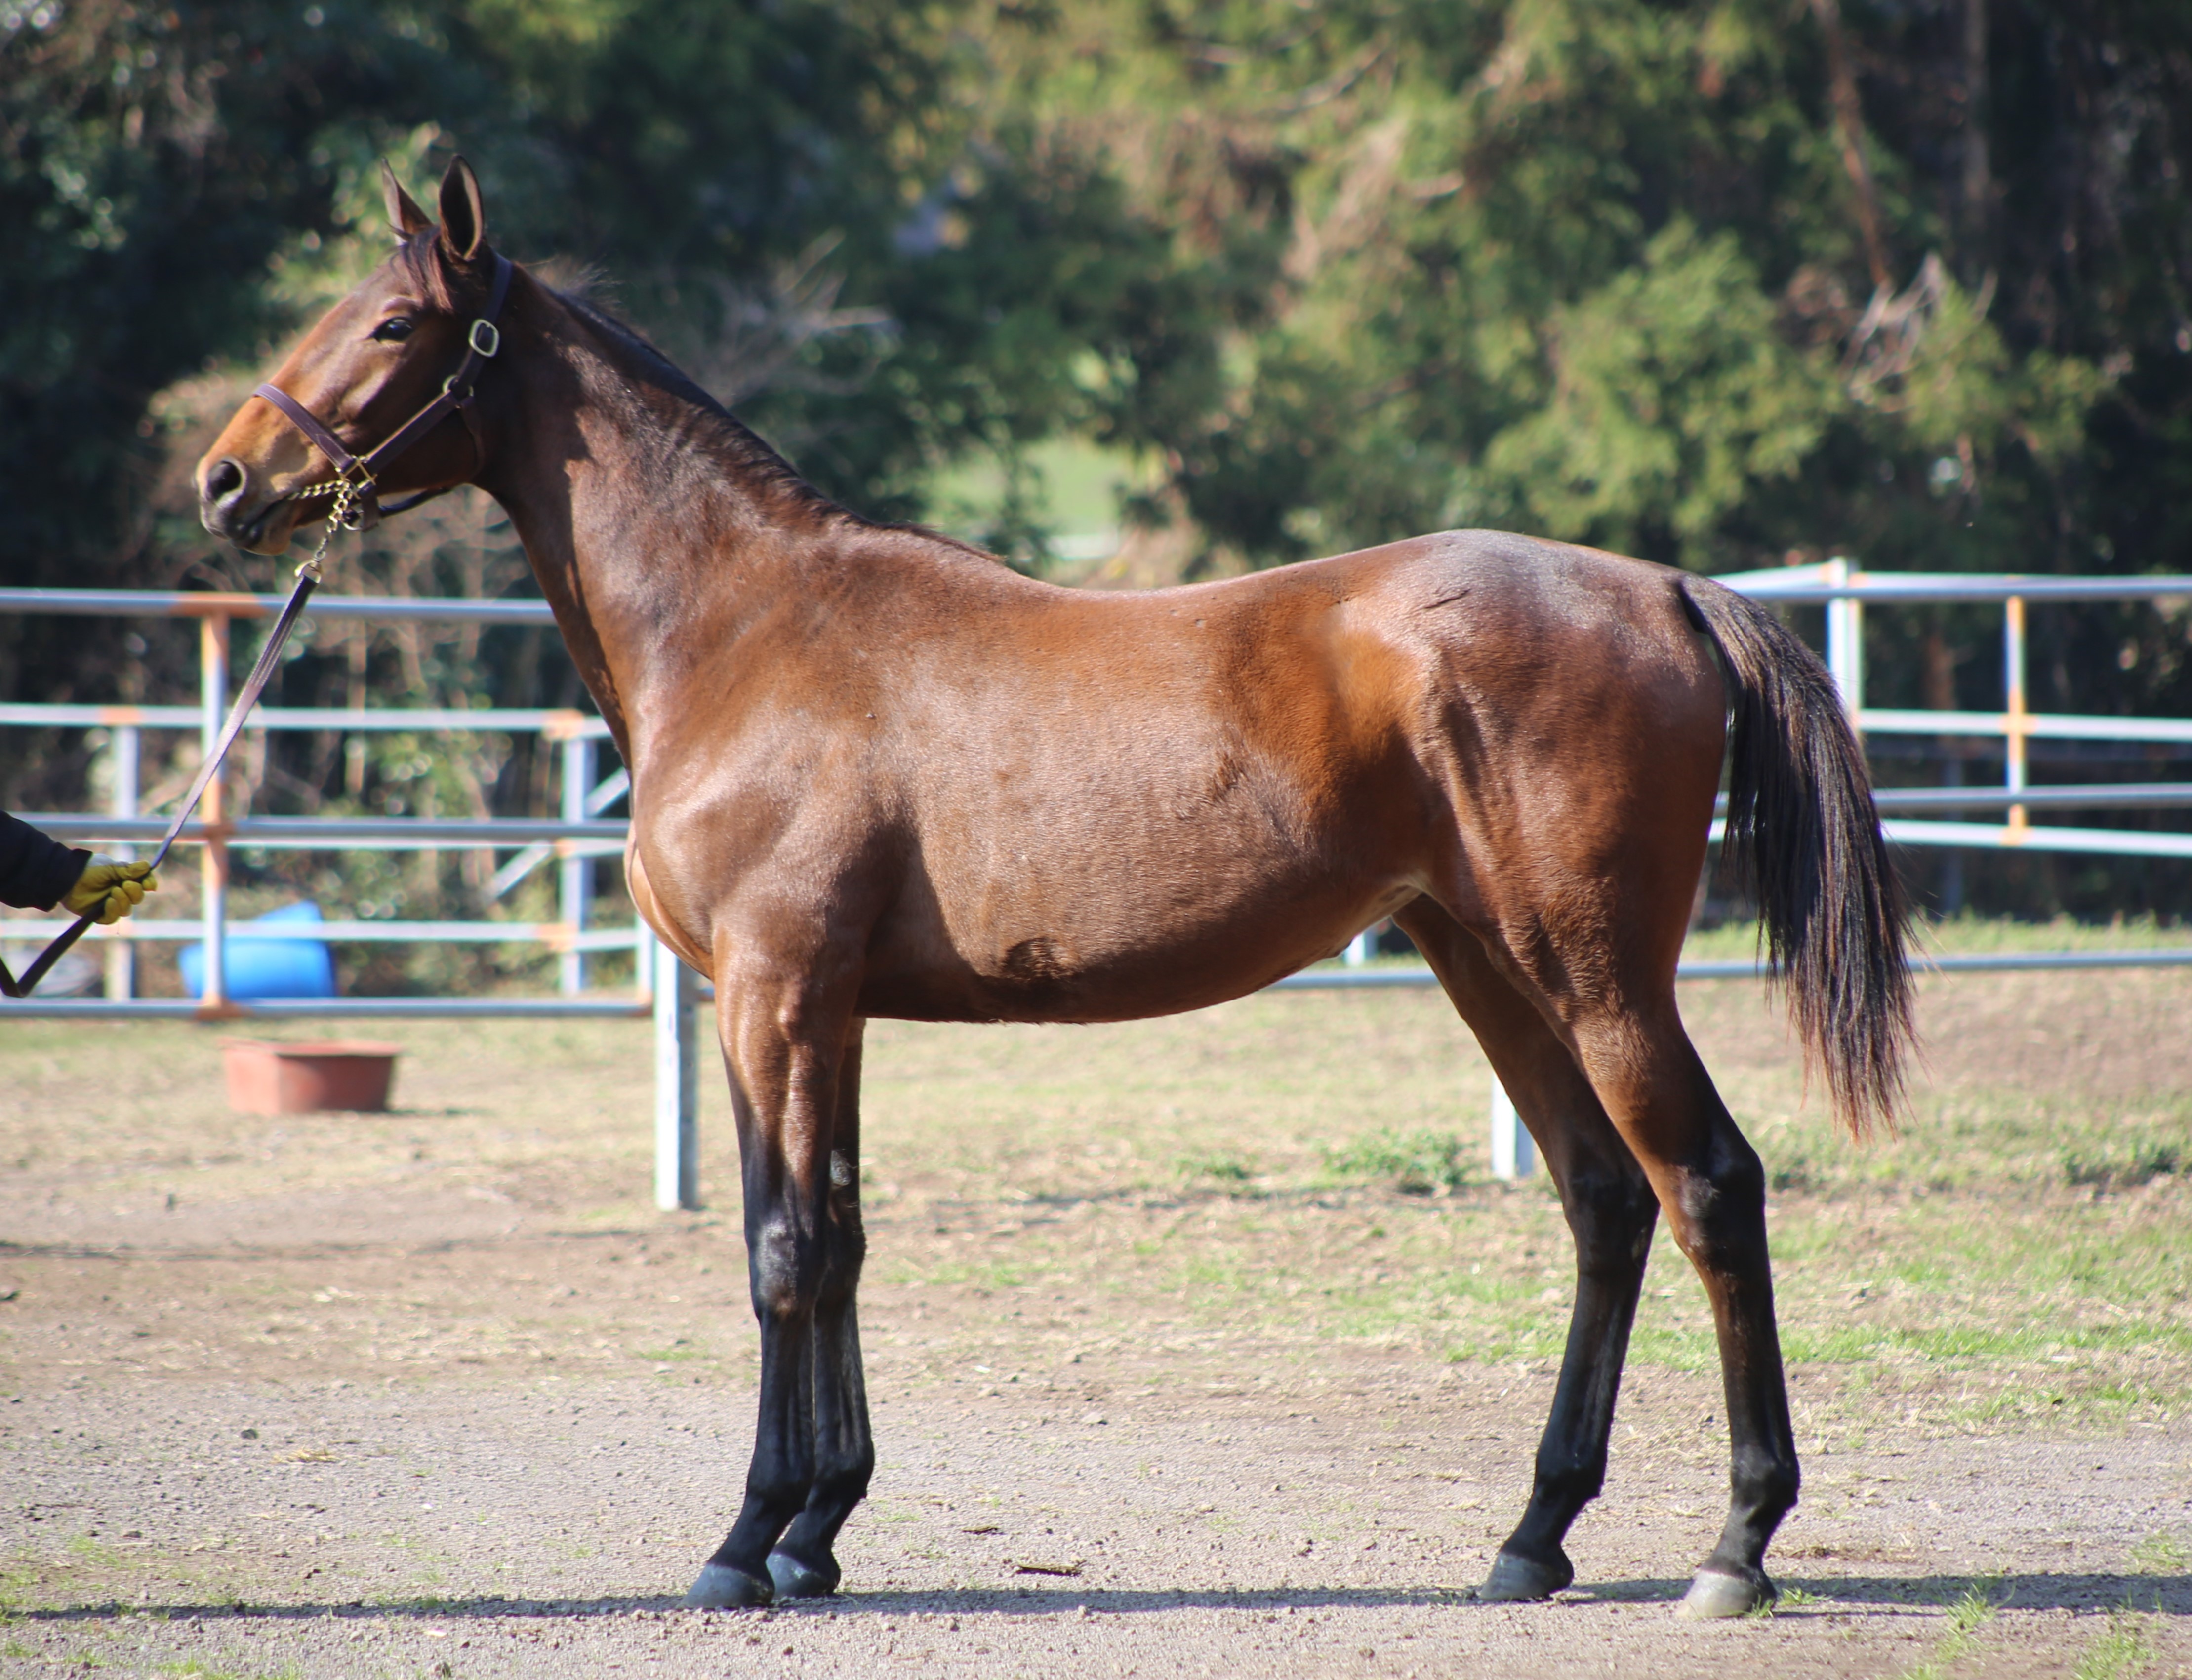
[{"x": 109, "y": 890}]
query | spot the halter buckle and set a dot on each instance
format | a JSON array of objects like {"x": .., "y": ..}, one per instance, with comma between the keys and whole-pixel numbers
[{"x": 485, "y": 337}]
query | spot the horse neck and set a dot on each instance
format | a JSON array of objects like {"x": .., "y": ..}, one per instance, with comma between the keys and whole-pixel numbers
[{"x": 653, "y": 523}]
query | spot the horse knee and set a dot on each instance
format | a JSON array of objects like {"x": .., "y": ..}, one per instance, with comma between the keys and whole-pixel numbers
[
  {"x": 785, "y": 1270},
  {"x": 793, "y": 1272},
  {"x": 844, "y": 1252}
]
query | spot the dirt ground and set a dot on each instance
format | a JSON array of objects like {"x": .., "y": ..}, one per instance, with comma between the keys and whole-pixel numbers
[{"x": 435, "y": 1393}]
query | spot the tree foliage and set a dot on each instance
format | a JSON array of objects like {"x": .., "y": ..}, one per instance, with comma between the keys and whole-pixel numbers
[
  {"x": 1721, "y": 283},
  {"x": 1637, "y": 274}
]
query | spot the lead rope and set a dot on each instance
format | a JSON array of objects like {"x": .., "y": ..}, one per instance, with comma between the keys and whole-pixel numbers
[{"x": 262, "y": 671}]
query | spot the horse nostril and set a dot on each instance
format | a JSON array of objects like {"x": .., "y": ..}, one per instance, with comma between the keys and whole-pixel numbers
[{"x": 224, "y": 480}]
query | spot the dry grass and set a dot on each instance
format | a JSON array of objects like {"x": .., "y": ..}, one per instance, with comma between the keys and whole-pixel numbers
[{"x": 1252, "y": 1176}]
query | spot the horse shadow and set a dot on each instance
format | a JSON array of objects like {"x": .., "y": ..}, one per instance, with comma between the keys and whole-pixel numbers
[{"x": 2163, "y": 1595}]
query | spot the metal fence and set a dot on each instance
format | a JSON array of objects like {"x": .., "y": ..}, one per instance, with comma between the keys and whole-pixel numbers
[
  {"x": 581, "y": 835},
  {"x": 670, "y": 994}
]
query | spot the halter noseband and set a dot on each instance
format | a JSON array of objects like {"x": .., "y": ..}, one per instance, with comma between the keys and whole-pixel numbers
[{"x": 361, "y": 508}]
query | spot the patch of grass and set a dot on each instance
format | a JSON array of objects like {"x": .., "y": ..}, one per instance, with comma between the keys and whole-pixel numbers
[
  {"x": 1791, "y": 1598},
  {"x": 678, "y": 1352},
  {"x": 1221, "y": 1167},
  {"x": 17, "y": 1578},
  {"x": 1948, "y": 1276},
  {"x": 1414, "y": 1162},
  {"x": 2162, "y": 1554},
  {"x": 2118, "y": 1651},
  {"x": 85, "y": 1549},
  {"x": 1970, "y": 1613},
  {"x": 2143, "y": 1163}
]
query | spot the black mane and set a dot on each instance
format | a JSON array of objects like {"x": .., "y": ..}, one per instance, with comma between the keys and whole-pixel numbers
[{"x": 751, "y": 454}]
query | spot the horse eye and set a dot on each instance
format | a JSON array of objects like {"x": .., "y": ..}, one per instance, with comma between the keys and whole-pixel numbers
[{"x": 393, "y": 330}]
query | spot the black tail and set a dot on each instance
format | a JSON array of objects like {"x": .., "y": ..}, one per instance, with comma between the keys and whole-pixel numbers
[{"x": 1802, "y": 835}]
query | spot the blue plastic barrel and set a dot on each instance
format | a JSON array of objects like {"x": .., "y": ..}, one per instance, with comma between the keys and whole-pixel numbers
[{"x": 266, "y": 968}]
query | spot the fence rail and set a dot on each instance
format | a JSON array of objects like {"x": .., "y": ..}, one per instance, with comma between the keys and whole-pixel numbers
[{"x": 670, "y": 994}]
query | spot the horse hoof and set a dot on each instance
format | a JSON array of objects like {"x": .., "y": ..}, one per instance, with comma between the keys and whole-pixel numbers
[
  {"x": 1716, "y": 1593},
  {"x": 721, "y": 1587},
  {"x": 1516, "y": 1580},
  {"x": 796, "y": 1579}
]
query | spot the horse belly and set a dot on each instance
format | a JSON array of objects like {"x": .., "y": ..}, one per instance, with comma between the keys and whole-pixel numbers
[{"x": 1109, "y": 929}]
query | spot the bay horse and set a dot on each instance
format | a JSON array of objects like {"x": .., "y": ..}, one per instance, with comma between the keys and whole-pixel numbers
[{"x": 876, "y": 772}]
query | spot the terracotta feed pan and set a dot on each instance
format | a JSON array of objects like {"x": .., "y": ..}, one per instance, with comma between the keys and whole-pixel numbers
[{"x": 299, "y": 1079}]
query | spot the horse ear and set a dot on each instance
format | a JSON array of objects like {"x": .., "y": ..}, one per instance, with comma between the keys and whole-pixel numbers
[
  {"x": 404, "y": 214},
  {"x": 464, "y": 217}
]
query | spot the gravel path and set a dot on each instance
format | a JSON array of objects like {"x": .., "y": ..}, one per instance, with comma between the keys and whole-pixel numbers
[
  {"x": 1313, "y": 1526},
  {"x": 430, "y": 1394}
]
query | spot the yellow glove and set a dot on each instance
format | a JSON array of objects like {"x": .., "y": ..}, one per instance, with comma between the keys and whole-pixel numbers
[{"x": 109, "y": 890}]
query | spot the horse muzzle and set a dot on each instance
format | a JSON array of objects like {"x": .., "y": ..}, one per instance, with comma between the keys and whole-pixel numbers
[{"x": 236, "y": 506}]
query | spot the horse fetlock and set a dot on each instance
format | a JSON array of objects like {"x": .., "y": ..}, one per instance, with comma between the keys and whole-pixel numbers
[
  {"x": 1566, "y": 1484},
  {"x": 776, "y": 1498},
  {"x": 1764, "y": 1482},
  {"x": 846, "y": 1482}
]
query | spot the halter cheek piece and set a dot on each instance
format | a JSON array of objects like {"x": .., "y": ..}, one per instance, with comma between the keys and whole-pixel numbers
[{"x": 361, "y": 509}]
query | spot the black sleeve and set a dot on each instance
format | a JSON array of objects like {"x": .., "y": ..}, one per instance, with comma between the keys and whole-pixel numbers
[{"x": 35, "y": 869}]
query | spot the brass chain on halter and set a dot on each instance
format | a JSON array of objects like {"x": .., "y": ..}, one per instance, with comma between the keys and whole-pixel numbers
[{"x": 343, "y": 514}]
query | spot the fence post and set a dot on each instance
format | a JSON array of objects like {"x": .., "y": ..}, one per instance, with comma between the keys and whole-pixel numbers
[
  {"x": 1513, "y": 1154},
  {"x": 213, "y": 698},
  {"x": 1845, "y": 640},
  {"x": 2013, "y": 705},
  {"x": 677, "y": 1078},
  {"x": 578, "y": 873},
  {"x": 126, "y": 742}
]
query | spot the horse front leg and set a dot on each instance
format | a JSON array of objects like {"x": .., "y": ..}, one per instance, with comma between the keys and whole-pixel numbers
[
  {"x": 804, "y": 1564},
  {"x": 784, "y": 1053}
]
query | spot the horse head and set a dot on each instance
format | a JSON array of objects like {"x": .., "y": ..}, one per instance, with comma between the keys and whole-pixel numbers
[{"x": 335, "y": 411}]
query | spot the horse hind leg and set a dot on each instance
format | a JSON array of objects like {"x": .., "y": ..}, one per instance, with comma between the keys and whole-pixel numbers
[
  {"x": 1611, "y": 1214},
  {"x": 1712, "y": 1186}
]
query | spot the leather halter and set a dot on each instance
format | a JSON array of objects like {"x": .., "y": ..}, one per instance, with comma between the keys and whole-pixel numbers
[{"x": 483, "y": 339}]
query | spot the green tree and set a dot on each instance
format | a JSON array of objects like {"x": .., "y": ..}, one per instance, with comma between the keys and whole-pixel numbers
[{"x": 1641, "y": 274}]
